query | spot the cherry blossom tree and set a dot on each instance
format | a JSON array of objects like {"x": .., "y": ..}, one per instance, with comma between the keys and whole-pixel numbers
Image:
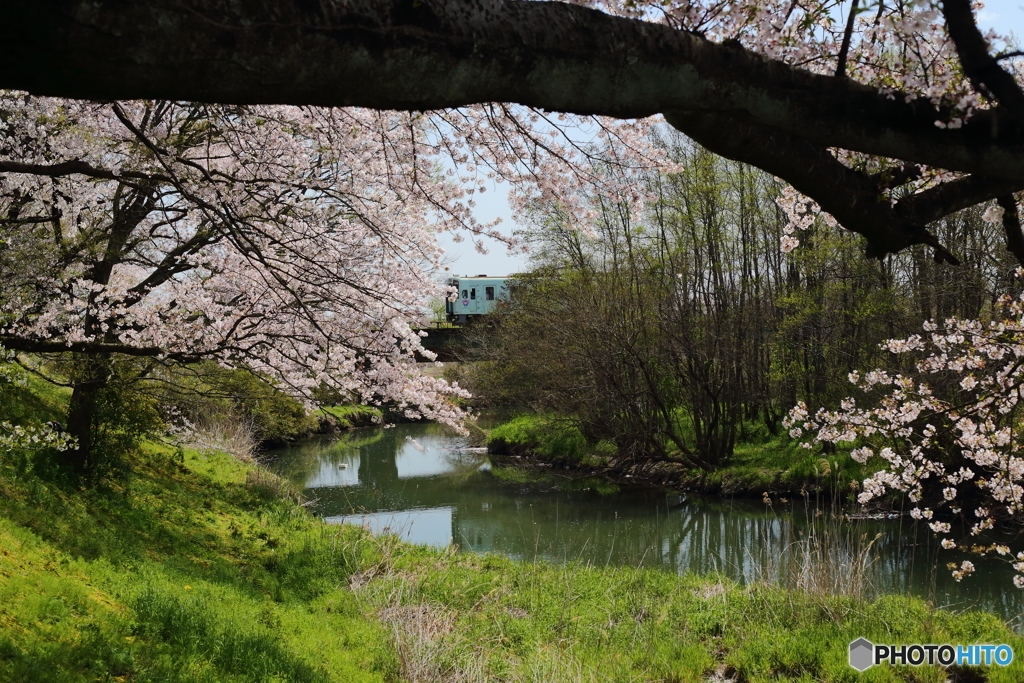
[
  {"x": 297, "y": 242},
  {"x": 888, "y": 116},
  {"x": 948, "y": 434}
]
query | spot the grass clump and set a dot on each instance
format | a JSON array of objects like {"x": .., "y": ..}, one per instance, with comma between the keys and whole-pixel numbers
[
  {"x": 780, "y": 464},
  {"x": 549, "y": 439},
  {"x": 760, "y": 461}
]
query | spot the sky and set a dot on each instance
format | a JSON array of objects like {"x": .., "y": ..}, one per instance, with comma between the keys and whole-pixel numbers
[
  {"x": 463, "y": 257},
  {"x": 1006, "y": 16}
]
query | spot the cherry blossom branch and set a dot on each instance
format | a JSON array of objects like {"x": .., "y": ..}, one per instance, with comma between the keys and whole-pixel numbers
[{"x": 78, "y": 167}]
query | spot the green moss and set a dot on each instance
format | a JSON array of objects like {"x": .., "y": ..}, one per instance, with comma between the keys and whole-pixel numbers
[{"x": 350, "y": 416}]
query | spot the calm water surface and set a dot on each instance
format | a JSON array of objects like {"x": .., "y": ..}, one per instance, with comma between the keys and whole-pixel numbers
[{"x": 423, "y": 483}]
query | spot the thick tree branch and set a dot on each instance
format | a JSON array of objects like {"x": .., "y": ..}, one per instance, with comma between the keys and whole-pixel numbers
[
  {"x": 1011, "y": 223},
  {"x": 981, "y": 67},
  {"x": 853, "y": 198},
  {"x": 46, "y": 346},
  {"x": 428, "y": 54},
  {"x": 952, "y": 196},
  {"x": 74, "y": 167}
]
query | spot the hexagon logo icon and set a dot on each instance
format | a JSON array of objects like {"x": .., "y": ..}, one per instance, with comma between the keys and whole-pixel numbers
[{"x": 861, "y": 654}]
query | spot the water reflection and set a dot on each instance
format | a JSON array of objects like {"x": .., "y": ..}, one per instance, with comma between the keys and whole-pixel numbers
[{"x": 420, "y": 482}]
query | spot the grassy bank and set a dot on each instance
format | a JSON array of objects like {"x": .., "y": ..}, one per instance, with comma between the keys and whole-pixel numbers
[
  {"x": 203, "y": 570},
  {"x": 191, "y": 569},
  {"x": 351, "y": 416},
  {"x": 761, "y": 462},
  {"x": 196, "y": 567},
  {"x": 479, "y": 618}
]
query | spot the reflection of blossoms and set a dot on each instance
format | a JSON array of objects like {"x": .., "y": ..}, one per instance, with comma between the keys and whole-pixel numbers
[{"x": 930, "y": 445}]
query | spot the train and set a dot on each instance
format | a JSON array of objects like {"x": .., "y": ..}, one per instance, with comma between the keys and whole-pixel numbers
[{"x": 476, "y": 296}]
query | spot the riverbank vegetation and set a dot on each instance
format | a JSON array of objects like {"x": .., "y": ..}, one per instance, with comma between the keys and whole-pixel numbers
[
  {"x": 680, "y": 333},
  {"x": 760, "y": 463}
]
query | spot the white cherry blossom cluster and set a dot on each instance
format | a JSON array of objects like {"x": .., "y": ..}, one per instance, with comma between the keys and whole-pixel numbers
[
  {"x": 948, "y": 432},
  {"x": 20, "y": 437},
  {"x": 25, "y": 437}
]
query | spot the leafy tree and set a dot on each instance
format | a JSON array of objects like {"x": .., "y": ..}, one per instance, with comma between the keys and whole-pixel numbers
[{"x": 677, "y": 323}]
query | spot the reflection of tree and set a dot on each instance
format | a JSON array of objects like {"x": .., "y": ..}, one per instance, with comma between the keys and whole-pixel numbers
[
  {"x": 300, "y": 463},
  {"x": 377, "y": 466}
]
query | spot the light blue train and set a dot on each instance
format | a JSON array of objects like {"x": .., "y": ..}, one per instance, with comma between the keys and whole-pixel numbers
[{"x": 477, "y": 296}]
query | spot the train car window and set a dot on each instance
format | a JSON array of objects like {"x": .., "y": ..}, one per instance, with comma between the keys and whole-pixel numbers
[
  {"x": 472, "y": 293},
  {"x": 465, "y": 294},
  {"x": 489, "y": 293}
]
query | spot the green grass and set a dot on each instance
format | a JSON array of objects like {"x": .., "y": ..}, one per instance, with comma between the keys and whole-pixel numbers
[
  {"x": 188, "y": 571},
  {"x": 194, "y": 567},
  {"x": 780, "y": 464},
  {"x": 549, "y": 439},
  {"x": 36, "y": 402},
  {"x": 471, "y": 617}
]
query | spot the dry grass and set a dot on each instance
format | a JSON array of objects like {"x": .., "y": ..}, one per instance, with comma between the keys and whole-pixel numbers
[
  {"x": 224, "y": 433},
  {"x": 828, "y": 557}
]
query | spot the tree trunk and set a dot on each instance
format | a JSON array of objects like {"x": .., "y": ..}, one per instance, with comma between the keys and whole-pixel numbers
[
  {"x": 91, "y": 376},
  {"x": 80, "y": 418}
]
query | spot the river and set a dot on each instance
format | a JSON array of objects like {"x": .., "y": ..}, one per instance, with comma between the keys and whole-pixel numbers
[{"x": 421, "y": 482}]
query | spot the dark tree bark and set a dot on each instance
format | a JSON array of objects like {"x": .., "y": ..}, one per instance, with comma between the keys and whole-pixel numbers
[
  {"x": 93, "y": 375},
  {"x": 81, "y": 410},
  {"x": 427, "y": 54}
]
